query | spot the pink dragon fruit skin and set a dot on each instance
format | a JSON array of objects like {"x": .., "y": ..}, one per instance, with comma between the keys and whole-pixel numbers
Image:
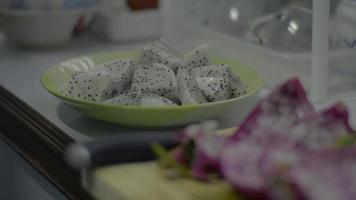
[
  {"x": 190, "y": 133},
  {"x": 314, "y": 132},
  {"x": 278, "y": 152},
  {"x": 279, "y": 111},
  {"x": 324, "y": 128},
  {"x": 262, "y": 143},
  {"x": 207, "y": 156},
  {"x": 243, "y": 160},
  {"x": 179, "y": 156},
  {"x": 204, "y": 158},
  {"x": 247, "y": 163},
  {"x": 326, "y": 174}
]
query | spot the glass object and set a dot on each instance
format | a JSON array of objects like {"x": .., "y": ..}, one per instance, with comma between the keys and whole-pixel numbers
[
  {"x": 236, "y": 16},
  {"x": 233, "y": 16},
  {"x": 345, "y": 25},
  {"x": 287, "y": 30}
]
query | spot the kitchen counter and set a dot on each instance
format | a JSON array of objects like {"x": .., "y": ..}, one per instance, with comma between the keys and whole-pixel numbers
[{"x": 39, "y": 126}]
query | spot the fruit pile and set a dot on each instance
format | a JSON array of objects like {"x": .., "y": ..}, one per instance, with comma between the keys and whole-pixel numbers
[{"x": 159, "y": 76}]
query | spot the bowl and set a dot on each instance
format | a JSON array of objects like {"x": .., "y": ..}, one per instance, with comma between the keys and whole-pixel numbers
[
  {"x": 146, "y": 117},
  {"x": 36, "y": 29}
]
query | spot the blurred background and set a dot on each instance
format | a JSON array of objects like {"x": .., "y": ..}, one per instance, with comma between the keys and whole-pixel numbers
[{"x": 269, "y": 35}]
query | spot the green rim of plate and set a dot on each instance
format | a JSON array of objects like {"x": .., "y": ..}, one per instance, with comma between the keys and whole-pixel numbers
[{"x": 248, "y": 75}]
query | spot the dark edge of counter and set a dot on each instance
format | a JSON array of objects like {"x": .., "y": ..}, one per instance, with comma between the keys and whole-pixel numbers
[{"x": 40, "y": 143}]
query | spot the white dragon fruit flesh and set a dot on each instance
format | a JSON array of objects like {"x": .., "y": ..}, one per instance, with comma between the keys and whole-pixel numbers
[
  {"x": 218, "y": 82},
  {"x": 128, "y": 98},
  {"x": 101, "y": 83},
  {"x": 134, "y": 98},
  {"x": 188, "y": 90},
  {"x": 197, "y": 57},
  {"x": 155, "y": 100},
  {"x": 122, "y": 70},
  {"x": 161, "y": 52},
  {"x": 157, "y": 79}
]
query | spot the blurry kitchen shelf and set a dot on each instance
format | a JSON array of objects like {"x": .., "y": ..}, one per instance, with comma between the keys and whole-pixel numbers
[
  {"x": 128, "y": 26},
  {"x": 277, "y": 66}
]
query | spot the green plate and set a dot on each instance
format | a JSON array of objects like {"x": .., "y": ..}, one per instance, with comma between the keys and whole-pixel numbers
[{"x": 136, "y": 116}]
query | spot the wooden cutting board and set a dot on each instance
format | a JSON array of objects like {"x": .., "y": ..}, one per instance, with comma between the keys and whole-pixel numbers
[{"x": 146, "y": 181}]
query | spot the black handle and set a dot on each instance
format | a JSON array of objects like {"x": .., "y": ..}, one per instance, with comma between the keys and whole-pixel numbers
[{"x": 121, "y": 148}]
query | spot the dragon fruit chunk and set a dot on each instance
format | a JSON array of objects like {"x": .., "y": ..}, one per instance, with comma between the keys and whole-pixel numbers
[
  {"x": 135, "y": 98},
  {"x": 156, "y": 79},
  {"x": 324, "y": 128},
  {"x": 128, "y": 98},
  {"x": 101, "y": 83},
  {"x": 237, "y": 87},
  {"x": 163, "y": 45},
  {"x": 161, "y": 52},
  {"x": 197, "y": 57},
  {"x": 155, "y": 100},
  {"x": 218, "y": 82},
  {"x": 93, "y": 86},
  {"x": 188, "y": 90},
  {"x": 122, "y": 70},
  {"x": 278, "y": 112}
]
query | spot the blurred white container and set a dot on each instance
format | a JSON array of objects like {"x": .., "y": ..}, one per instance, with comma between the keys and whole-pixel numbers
[
  {"x": 127, "y": 25},
  {"x": 40, "y": 29}
]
